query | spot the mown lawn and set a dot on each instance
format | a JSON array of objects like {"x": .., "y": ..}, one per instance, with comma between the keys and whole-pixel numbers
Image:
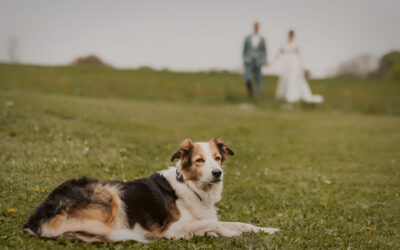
[{"x": 322, "y": 174}]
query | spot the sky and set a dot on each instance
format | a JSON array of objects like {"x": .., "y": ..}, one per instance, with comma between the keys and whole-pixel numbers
[{"x": 196, "y": 35}]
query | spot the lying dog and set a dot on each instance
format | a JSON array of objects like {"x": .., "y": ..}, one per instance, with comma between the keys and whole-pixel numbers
[{"x": 174, "y": 203}]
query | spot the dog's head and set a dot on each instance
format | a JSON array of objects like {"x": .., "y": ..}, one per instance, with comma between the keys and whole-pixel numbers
[{"x": 202, "y": 161}]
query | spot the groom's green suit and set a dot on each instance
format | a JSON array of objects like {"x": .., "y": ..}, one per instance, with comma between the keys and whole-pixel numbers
[{"x": 253, "y": 58}]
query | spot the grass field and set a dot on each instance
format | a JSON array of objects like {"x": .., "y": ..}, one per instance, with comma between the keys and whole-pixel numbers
[{"x": 321, "y": 173}]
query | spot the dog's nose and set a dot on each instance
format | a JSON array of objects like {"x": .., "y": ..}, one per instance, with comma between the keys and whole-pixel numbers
[{"x": 216, "y": 173}]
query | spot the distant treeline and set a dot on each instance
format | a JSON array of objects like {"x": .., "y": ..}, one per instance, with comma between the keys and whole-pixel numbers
[
  {"x": 90, "y": 60},
  {"x": 93, "y": 60},
  {"x": 367, "y": 66},
  {"x": 364, "y": 66},
  {"x": 389, "y": 66}
]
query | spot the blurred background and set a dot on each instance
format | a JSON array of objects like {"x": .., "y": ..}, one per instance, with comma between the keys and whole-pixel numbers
[
  {"x": 109, "y": 89},
  {"x": 150, "y": 50},
  {"x": 335, "y": 37}
]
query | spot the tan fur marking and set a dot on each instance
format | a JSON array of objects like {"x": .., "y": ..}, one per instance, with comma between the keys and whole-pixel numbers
[
  {"x": 215, "y": 152},
  {"x": 61, "y": 224},
  {"x": 95, "y": 218},
  {"x": 223, "y": 149},
  {"x": 183, "y": 151},
  {"x": 104, "y": 213},
  {"x": 157, "y": 231},
  {"x": 193, "y": 172},
  {"x": 92, "y": 212},
  {"x": 176, "y": 214},
  {"x": 115, "y": 208},
  {"x": 56, "y": 222},
  {"x": 186, "y": 144}
]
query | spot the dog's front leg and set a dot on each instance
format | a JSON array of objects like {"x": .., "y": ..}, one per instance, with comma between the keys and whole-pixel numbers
[
  {"x": 244, "y": 227},
  {"x": 200, "y": 228},
  {"x": 210, "y": 226},
  {"x": 226, "y": 229}
]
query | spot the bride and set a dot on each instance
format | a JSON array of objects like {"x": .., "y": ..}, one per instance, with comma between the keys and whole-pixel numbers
[{"x": 292, "y": 85}]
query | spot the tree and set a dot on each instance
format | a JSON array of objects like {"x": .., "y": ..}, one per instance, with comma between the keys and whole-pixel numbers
[
  {"x": 360, "y": 66},
  {"x": 89, "y": 60},
  {"x": 389, "y": 66}
]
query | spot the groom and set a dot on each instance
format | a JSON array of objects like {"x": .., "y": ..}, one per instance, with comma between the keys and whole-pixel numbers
[{"x": 254, "y": 57}]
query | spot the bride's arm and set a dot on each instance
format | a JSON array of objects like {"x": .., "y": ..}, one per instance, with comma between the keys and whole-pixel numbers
[
  {"x": 300, "y": 58},
  {"x": 276, "y": 56}
]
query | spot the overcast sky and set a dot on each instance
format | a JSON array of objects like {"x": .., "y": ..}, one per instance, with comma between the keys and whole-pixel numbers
[{"x": 196, "y": 35}]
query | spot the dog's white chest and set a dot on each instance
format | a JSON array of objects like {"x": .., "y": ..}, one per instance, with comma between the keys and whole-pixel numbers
[{"x": 193, "y": 212}]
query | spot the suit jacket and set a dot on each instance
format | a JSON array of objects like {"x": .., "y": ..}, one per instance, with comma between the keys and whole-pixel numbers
[{"x": 254, "y": 56}]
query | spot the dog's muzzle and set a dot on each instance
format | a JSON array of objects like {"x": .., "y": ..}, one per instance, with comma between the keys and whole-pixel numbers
[{"x": 216, "y": 173}]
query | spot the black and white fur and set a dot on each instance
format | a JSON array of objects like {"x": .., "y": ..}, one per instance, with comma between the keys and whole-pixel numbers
[{"x": 175, "y": 203}]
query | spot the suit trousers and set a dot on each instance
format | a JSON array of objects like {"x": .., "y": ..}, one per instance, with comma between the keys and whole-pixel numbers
[{"x": 252, "y": 70}]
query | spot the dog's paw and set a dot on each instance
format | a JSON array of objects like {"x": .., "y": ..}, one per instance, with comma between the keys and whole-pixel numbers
[
  {"x": 229, "y": 233},
  {"x": 212, "y": 234},
  {"x": 269, "y": 230}
]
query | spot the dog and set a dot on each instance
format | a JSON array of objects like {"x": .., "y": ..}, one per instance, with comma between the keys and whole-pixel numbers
[{"x": 176, "y": 203}]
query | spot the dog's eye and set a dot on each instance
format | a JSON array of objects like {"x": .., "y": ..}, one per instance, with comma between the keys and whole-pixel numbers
[
  {"x": 200, "y": 160},
  {"x": 218, "y": 158}
]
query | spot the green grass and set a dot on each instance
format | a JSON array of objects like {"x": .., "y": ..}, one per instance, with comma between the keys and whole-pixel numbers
[
  {"x": 321, "y": 173},
  {"x": 344, "y": 94}
]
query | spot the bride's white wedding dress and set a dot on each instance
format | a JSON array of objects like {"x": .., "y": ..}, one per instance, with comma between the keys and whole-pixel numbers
[{"x": 292, "y": 85}]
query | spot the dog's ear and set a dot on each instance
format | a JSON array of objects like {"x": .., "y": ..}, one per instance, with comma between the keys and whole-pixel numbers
[
  {"x": 184, "y": 150},
  {"x": 223, "y": 149}
]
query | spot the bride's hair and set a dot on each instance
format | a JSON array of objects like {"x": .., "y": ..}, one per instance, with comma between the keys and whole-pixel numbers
[{"x": 291, "y": 33}]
